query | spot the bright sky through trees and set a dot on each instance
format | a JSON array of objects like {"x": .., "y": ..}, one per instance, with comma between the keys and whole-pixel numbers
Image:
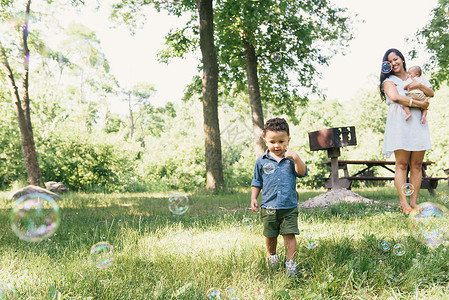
[{"x": 386, "y": 24}]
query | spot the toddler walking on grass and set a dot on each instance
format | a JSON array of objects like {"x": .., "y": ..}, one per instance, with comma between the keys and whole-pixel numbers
[{"x": 275, "y": 174}]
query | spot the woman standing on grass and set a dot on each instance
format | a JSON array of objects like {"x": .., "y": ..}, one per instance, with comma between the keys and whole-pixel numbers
[{"x": 408, "y": 140}]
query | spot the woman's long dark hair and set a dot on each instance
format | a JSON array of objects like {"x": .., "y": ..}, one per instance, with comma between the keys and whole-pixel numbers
[{"x": 384, "y": 76}]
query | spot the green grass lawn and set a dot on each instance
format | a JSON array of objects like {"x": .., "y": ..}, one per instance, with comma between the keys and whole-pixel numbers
[{"x": 159, "y": 255}]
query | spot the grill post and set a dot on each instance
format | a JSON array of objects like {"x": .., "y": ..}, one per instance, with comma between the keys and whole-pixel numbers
[{"x": 332, "y": 139}]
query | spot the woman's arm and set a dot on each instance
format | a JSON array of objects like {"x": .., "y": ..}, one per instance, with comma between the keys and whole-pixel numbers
[
  {"x": 392, "y": 92},
  {"x": 415, "y": 85}
]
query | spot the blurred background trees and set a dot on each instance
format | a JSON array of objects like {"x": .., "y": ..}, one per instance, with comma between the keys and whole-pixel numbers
[{"x": 82, "y": 142}]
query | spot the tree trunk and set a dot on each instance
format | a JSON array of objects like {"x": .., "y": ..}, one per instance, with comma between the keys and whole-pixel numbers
[
  {"x": 254, "y": 97},
  {"x": 131, "y": 119},
  {"x": 23, "y": 109},
  {"x": 214, "y": 165}
]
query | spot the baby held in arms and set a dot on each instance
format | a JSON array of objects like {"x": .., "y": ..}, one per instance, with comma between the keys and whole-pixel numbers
[{"x": 415, "y": 73}]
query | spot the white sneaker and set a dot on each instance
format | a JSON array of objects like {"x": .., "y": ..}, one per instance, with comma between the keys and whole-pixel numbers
[
  {"x": 273, "y": 260},
  {"x": 290, "y": 268}
]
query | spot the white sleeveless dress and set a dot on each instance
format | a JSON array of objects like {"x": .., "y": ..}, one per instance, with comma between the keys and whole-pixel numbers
[{"x": 408, "y": 135}]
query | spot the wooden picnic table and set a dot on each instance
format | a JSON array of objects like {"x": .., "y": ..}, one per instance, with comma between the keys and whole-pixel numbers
[{"x": 429, "y": 183}]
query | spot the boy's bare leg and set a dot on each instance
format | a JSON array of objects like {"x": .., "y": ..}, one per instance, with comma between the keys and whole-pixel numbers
[
  {"x": 408, "y": 113},
  {"x": 290, "y": 245},
  {"x": 423, "y": 116},
  {"x": 271, "y": 243}
]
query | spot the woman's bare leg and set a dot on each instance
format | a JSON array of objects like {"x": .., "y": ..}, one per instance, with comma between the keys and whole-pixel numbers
[
  {"x": 400, "y": 176},
  {"x": 416, "y": 160}
]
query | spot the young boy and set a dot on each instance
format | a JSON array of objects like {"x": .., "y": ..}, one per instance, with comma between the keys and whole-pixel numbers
[
  {"x": 416, "y": 74},
  {"x": 275, "y": 174}
]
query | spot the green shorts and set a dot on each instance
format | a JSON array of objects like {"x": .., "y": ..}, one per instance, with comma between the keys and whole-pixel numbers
[{"x": 282, "y": 221}]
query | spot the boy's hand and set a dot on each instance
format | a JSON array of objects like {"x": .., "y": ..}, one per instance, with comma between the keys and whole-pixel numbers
[
  {"x": 290, "y": 154},
  {"x": 300, "y": 167},
  {"x": 254, "y": 205}
]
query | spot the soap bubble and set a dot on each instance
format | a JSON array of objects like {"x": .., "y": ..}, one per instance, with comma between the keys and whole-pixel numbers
[
  {"x": 102, "y": 254},
  {"x": 269, "y": 168},
  {"x": 271, "y": 210},
  {"x": 231, "y": 293},
  {"x": 213, "y": 294},
  {"x": 407, "y": 189},
  {"x": 178, "y": 204},
  {"x": 385, "y": 246},
  {"x": 442, "y": 196},
  {"x": 247, "y": 222},
  {"x": 399, "y": 249},
  {"x": 430, "y": 222},
  {"x": 386, "y": 67},
  {"x": 445, "y": 199},
  {"x": 311, "y": 242},
  {"x": 7, "y": 291},
  {"x": 276, "y": 56},
  {"x": 35, "y": 217}
]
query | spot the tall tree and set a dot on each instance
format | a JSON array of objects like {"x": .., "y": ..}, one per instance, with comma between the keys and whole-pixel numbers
[
  {"x": 130, "y": 11},
  {"x": 22, "y": 104},
  {"x": 214, "y": 167},
  {"x": 435, "y": 37},
  {"x": 280, "y": 43},
  {"x": 271, "y": 49}
]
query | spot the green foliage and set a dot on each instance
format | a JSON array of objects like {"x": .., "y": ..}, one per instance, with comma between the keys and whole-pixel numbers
[
  {"x": 178, "y": 42},
  {"x": 435, "y": 37},
  {"x": 175, "y": 158},
  {"x": 437, "y": 117},
  {"x": 11, "y": 159},
  {"x": 300, "y": 31},
  {"x": 83, "y": 144},
  {"x": 86, "y": 163},
  {"x": 113, "y": 124},
  {"x": 182, "y": 257}
]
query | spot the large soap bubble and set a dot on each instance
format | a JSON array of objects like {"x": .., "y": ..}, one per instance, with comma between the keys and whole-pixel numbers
[
  {"x": 102, "y": 255},
  {"x": 178, "y": 204},
  {"x": 429, "y": 223},
  {"x": 35, "y": 217}
]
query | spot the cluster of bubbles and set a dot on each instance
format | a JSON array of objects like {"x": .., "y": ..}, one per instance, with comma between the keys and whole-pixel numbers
[
  {"x": 178, "y": 204},
  {"x": 35, "y": 217},
  {"x": 398, "y": 249},
  {"x": 7, "y": 291},
  {"x": 217, "y": 294},
  {"x": 276, "y": 56},
  {"x": 102, "y": 255}
]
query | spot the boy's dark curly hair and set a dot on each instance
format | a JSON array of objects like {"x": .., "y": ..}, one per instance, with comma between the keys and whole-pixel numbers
[{"x": 276, "y": 124}]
